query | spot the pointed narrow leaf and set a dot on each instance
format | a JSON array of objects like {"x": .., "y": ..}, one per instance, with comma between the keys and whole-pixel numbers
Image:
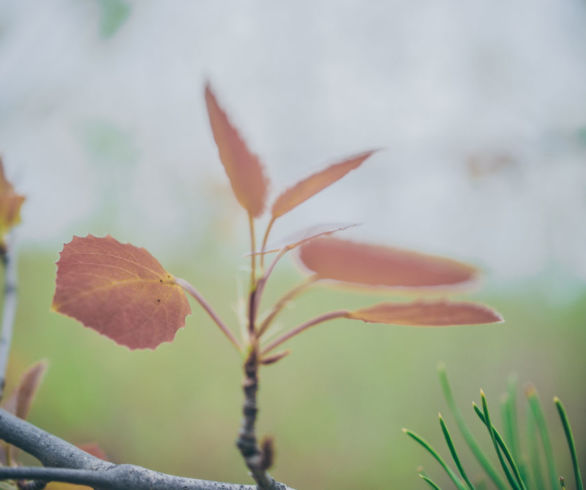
[
  {"x": 22, "y": 397},
  {"x": 427, "y": 313},
  {"x": 570, "y": 440},
  {"x": 10, "y": 204},
  {"x": 307, "y": 234},
  {"x": 119, "y": 290},
  {"x": 243, "y": 167},
  {"x": 272, "y": 359},
  {"x": 310, "y": 186},
  {"x": 465, "y": 431},
  {"x": 377, "y": 265},
  {"x": 423, "y": 443}
]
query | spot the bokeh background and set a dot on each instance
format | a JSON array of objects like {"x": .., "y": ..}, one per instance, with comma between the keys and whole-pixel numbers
[{"x": 480, "y": 109}]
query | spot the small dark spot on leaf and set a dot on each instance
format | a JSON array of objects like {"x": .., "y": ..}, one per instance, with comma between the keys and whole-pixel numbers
[
  {"x": 158, "y": 300},
  {"x": 161, "y": 281}
]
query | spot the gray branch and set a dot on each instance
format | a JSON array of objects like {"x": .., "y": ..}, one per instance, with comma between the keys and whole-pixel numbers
[
  {"x": 67, "y": 463},
  {"x": 9, "y": 311}
]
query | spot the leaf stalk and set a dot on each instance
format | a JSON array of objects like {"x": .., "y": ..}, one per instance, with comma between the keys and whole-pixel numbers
[{"x": 194, "y": 293}]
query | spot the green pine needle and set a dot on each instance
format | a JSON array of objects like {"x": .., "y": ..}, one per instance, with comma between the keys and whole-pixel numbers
[
  {"x": 535, "y": 405},
  {"x": 465, "y": 431},
  {"x": 453, "y": 452},
  {"x": 571, "y": 445},
  {"x": 512, "y": 424},
  {"x": 534, "y": 450},
  {"x": 431, "y": 483},
  {"x": 437, "y": 457},
  {"x": 501, "y": 448}
]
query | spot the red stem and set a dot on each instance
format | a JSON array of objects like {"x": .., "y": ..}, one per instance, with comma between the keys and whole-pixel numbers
[
  {"x": 186, "y": 286},
  {"x": 304, "y": 326}
]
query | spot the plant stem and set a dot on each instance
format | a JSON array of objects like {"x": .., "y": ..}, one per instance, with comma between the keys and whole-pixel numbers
[
  {"x": 8, "y": 313},
  {"x": 186, "y": 286},
  {"x": 264, "y": 242},
  {"x": 252, "y": 252},
  {"x": 282, "y": 302},
  {"x": 252, "y": 307},
  {"x": 246, "y": 442},
  {"x": 260, "y": 285},
  {"x": 304, "y": 326},
  {"x": 263, "y": 280}
]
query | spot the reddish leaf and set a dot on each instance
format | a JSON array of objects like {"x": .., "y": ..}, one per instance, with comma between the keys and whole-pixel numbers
[
  {"x": 21, "y": 399},
  {"x": 374, "y": 265},
  {"x": 315, "y": 183},
  {"x": 273, "y": 358},
  {"x": 427, "y": 313},
  {"x": 243, "y": 167},
  {"x": 10, "y": 204},
  {"x": 119, "y": 290},
  {"x": 94, "y": 449}
]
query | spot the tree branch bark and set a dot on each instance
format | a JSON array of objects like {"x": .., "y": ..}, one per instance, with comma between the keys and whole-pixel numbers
[
  {"x": 8, "y": 259},
  {"x": 68, "y": 463}
]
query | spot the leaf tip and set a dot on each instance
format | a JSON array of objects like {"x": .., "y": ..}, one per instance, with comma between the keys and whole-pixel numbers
[
  {"x": 530, "y": 391},
  {"x": 243, "y": 168},
  {"x": 272, "y": 359}
]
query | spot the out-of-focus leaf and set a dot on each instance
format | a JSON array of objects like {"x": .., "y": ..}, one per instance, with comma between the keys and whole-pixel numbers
[
  {"x": 119, "y": 290},
  {"x": 114, "y": 14},
  {"x": 65, "y": 486},
  {"x": 109, "y": 146},
  {"x": 243, "y": 167},
  {"x": 310, "y": 233},
  {"x": 10, "y": 204},
  {"x": 427, "y": 313},
  {"x": 310, "y": 186},
  {"x": 21, "y": 399},
  {"x": 376, "y": 265},
  {"x": 94, "y": 449},
  {"x": 272, "y": 359}
]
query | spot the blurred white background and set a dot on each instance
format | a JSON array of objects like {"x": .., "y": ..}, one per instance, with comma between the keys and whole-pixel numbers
[{"x": 480, "y": 108}]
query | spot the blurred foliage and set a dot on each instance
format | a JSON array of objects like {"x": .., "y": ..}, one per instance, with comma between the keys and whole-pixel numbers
[
  {"x": 113, "y": 15},
  {"x": 517, "y": 468},
  {"x": 336, "y": 405},
  {"x": 107, "y": 144}
]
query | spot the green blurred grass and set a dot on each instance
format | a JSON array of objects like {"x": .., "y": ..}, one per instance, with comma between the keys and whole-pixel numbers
[{"x": 336, "y": 405}]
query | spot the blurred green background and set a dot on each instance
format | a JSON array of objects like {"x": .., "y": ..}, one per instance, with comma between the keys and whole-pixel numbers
[
  {"x": 336, "y": 406},
  {"x": 481, "y": 107}
]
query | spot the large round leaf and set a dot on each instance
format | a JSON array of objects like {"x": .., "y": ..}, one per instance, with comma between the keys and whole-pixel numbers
[{"x": 119, "y": 290}]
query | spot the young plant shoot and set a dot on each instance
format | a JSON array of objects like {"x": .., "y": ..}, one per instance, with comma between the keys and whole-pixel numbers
[{"x": 123, "y": 292}]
